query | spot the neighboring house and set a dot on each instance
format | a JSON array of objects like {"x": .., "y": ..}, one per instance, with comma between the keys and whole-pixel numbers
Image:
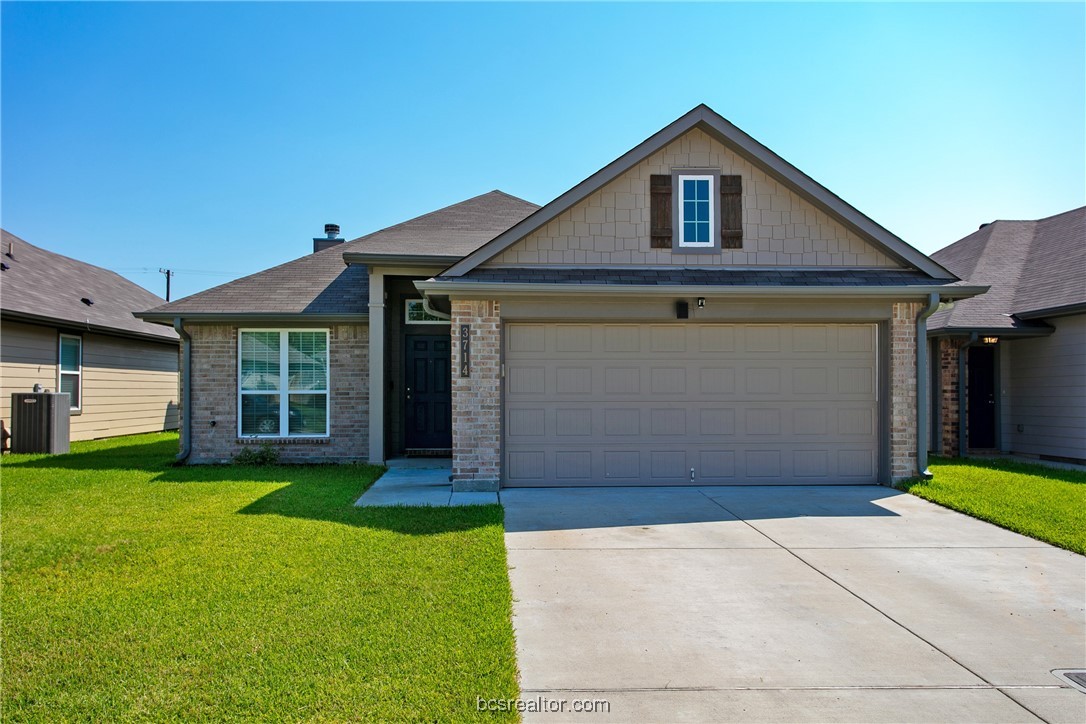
[
  {"x": 1018, "y": 352},
  {"x": 697, "y": 311},
  {"x": 68, "y": 326}
]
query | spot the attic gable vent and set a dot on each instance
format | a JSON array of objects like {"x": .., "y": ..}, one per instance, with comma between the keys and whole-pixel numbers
[{"x": 87, "y": 300}]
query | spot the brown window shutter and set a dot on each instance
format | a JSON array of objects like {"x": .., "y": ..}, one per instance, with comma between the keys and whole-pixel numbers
[
  {"x": 660, "y": 211},
  {"x": 731, "y": 212}
]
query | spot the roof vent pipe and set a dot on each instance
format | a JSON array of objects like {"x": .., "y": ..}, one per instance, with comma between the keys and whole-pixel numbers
[{"x": 330, "y": 238}]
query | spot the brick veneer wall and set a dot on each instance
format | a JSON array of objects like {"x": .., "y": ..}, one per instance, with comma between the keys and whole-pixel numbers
[
  {"x": 903, "y": 389},
  {"x": 215, "y": 390},
  {"x": 476, "y": 400},
  {"x": 950, "y": 418}
]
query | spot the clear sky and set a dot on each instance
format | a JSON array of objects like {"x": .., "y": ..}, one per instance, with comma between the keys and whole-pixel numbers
[{"x": 217, "y": 139}]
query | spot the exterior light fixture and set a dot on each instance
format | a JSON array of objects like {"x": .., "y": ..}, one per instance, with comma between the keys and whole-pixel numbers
[{"x": 701, "y": 302}]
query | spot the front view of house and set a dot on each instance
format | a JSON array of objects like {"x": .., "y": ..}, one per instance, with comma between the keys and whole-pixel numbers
[{"x": 698, "y": 311}]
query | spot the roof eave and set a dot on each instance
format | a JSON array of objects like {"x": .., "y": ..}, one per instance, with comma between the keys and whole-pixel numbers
[
  {"x": 1017, "y": 332},
  {"x": 253, "y": 317},
  {"x": 1061, "y": 311},
  {"x": 361, "y": 257},
  {"x": 86, "y": 326},
  {"x": 711, "y": 290},
  {"x": 705, "y": 118}
]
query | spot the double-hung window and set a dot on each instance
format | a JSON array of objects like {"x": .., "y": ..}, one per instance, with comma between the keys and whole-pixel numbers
[
  {"x": 697, "y": 210},
  {"x": 283, "y": 383},
  {"x": 70, "y": 372}
]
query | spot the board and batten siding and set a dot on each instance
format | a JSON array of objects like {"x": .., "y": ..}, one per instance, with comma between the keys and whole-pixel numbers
[
  {"x": 1046, "y": 387},
  {"x": 129, "y": 386}
]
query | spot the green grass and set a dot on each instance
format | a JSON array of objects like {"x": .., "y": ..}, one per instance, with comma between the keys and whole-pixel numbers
[
  {"x": 1045, "y": 503},
  {"x": 136, "y": 590}
]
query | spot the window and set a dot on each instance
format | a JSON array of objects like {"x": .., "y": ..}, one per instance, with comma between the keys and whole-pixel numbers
[
  {"x": 696, "y": 210},
  {"x": 414, "y": 312},
  {"x": 70, "y": 374},
  {"x": 283, "y": 383}
]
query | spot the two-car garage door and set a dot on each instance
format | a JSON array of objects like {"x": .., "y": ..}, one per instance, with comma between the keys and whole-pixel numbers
[{"x": 676, "y": 404}]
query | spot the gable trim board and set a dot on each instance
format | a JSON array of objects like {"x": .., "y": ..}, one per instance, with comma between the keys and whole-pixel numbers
[{"x": 725, "y": 132}]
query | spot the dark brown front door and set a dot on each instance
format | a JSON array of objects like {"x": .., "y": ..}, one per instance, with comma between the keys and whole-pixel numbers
[
  {"x": 981, "y": 398},
  {"x": 428, "y": 401}
]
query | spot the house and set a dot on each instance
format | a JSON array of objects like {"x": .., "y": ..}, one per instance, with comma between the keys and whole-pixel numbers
[
  {"x": 1009, "y": 366},
  {"x": 68, "y": 326},
  {"x": 698, "y": 310}
]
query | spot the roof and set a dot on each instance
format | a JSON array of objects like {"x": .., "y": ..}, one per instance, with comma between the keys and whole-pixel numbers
[
  {"x": 452, "y": 232},
  {"x": 41, "y": 286},
  {"x": 323, "y": 284},
  {"x": 678, "y": 276},
  {"x": 1034, "y": 268},
  {"x": 718, "y": 127}
]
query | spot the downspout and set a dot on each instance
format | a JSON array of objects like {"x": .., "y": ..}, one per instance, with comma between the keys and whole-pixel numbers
[
  {"x": 963, "y": 427},
  {"x": 922, "y": 381},
  {"x": 186, "y": 390}
]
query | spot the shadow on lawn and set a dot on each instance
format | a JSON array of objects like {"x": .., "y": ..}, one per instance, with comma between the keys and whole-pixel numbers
[{"x": 312, "y": 492}]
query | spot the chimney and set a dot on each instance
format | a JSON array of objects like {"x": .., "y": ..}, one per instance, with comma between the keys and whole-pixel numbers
[{"x": 330, "y": 238}]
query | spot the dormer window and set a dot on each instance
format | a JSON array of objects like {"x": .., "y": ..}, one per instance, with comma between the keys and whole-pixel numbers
[{"x": 697, "y": 211}]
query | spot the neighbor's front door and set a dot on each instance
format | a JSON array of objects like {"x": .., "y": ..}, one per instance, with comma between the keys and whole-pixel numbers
[
  {"x": 427, "y": 391},
  {"x": 981, "y": 398}
]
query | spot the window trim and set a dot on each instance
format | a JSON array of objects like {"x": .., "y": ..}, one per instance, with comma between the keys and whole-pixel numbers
[
  {"x": 78, "y": 373},
  {"x": 284, "y": 378},
  {"x": 678, "y": 244}
]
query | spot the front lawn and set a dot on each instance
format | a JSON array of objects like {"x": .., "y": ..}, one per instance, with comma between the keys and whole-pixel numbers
[
  {"x": 1039, "y": 501},
  {"x": 134, "y": 589}
]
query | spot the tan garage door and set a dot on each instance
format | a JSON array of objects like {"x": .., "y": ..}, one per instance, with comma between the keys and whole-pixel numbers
[{"x": 675, "y": 404}]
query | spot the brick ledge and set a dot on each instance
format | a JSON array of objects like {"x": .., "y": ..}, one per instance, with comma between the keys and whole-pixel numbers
[{"x": 284, "y": 440}]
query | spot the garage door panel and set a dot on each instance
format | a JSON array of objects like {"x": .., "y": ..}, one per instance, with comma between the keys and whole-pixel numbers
[{"x": 643, "y": 404}]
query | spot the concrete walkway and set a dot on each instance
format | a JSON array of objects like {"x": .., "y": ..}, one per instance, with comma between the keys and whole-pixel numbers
[
  {"x": 419, "y": 481},
  {"x": 788, "y": 604}
]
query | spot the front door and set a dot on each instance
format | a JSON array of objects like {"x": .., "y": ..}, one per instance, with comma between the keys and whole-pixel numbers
[
  {"x": 981, "y": 398},
  {"x": 427, "y": 391}
]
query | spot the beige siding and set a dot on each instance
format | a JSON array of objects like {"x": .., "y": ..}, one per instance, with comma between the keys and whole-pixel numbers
[
  {"x": 1047, "y": 386},
  {"x": 612, "y": 225},
  {"x": 129, "y": 386},
  {"x": 28, "y": 356}
]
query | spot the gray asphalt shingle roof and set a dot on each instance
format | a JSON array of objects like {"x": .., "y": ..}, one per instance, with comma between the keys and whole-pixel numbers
[
  {"x": 41, "y": 285},
  {"x": 696, "y": 276},
  {"x": 1030, "y": 266},
  {"x": 322, "y": 283}
]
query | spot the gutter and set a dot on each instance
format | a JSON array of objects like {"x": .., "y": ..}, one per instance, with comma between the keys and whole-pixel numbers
[
  {"x": 168, "y": 318},
  {"x": 922, "y": 380},
  {"x": 389, "y": 259},
  {"x": 677, "y": 290},
  {"x": 85, "y": 326},
  {"x": 963, "y": 427},
  {"x": 186, "y": 391}
]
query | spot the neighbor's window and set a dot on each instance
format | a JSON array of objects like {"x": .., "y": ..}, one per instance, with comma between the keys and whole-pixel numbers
[
  {"x": 283, "y": 383},
  {"x": 696, "y": 210},
  {"x": 70, "y": 362}
]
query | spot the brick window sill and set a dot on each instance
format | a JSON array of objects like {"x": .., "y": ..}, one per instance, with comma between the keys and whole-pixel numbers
[{"x": 284, "y": 440}]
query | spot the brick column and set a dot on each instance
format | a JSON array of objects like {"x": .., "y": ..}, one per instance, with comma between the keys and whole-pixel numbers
[
  {"x": 949, "y": 403},
  {"x": 476, "y": 399},
  {"x": 903, "y": 390}
]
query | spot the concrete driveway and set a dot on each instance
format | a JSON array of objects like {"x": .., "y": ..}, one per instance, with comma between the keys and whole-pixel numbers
[{"x": 788, "y": 604}]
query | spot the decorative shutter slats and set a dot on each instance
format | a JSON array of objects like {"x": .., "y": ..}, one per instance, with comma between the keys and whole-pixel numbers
[
  {"x": 731, "y": 212},
  {"x": 660, "y": 211}
]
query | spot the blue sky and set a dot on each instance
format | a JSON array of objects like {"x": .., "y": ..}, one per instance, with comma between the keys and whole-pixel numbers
[{"x": 217, "y": 139}]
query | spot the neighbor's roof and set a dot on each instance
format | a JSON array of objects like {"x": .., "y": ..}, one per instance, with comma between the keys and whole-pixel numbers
[
  {"x": 39, "y": 286},
  {"x": 323, "y": 284},
  {"x": 1034, "y": 268},
  {"x": 718, "y": 127}
]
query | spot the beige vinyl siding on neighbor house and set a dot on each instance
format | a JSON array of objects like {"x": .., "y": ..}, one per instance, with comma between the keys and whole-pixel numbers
[
  {"x": 1046, "y": 380},
  {"x": 129, "y": 386},
  {"x": 611, "y": 226}
]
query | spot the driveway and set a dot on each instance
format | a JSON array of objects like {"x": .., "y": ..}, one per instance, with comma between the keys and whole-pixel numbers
[{"x": 788, "y": 604}]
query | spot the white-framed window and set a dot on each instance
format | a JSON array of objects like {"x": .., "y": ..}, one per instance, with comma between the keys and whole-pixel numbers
[
  {"x": 283, "y": 383},
  {"x": 414, "y": 312},
  {"x": 697, "y": 210},
  {"x": 70, "y": 369}
]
